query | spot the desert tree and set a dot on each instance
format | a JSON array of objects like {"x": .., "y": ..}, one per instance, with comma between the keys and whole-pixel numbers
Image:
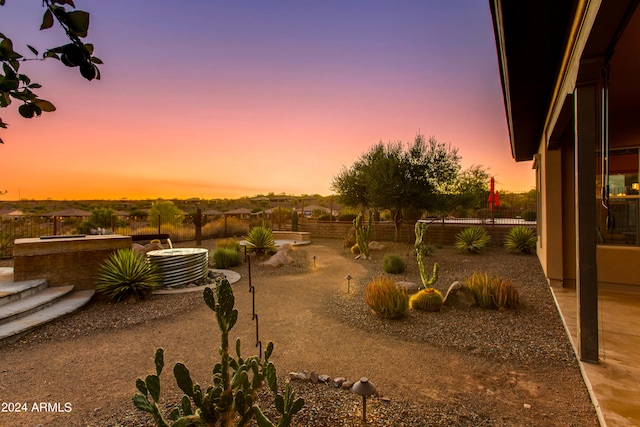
[{"x": 399, "y": 177}]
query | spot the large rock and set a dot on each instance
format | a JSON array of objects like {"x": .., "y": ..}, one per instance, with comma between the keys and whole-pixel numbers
[
  {"x": 280, "y": 258},
  {"x": 459, "y": 296},
  {"x": 138, "y": 248},
  {"x": 410, "y": 287},
  {"x": 376, "y": 246}
]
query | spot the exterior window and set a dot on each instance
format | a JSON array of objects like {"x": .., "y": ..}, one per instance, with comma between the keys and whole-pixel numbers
[{"x": 618, "y": 224}]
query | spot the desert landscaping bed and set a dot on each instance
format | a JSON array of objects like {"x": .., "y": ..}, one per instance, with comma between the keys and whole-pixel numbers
[{"x": 458, "y": 367}]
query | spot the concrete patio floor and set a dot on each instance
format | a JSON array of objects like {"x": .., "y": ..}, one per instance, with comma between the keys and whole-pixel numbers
[{"x": 614, "y": 383}]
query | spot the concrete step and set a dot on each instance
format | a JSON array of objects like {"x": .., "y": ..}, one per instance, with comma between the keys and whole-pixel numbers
[
  {"x": 17, "y": 328},
  {"x": 25, "y": 306},
  {"x": 14, "y": 291}
]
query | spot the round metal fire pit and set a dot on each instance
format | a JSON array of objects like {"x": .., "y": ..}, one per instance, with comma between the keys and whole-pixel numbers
[{"x": 180, "y": 266}]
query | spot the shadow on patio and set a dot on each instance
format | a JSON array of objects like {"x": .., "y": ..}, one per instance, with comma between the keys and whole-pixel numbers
[{"x": 614, "y": 384}]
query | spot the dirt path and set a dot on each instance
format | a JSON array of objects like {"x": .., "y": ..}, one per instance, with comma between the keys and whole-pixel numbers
[{"x": 96, "y": 375}]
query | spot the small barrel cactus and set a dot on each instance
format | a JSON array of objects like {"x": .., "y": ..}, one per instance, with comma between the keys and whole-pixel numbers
[{"x": 428, "y": 299}]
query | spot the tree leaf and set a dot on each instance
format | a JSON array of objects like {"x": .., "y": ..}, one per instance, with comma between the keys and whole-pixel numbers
[
  {"x": 33, "y": 49},
  {"x": 44, "y": 105},
  {"x": 78, "y": 22},
  {"x": 69, "y": 2},
  {"x": 47, "y": 20},
  {"x": 27, "y": 111},
  {"x": 50, "y": 54}
]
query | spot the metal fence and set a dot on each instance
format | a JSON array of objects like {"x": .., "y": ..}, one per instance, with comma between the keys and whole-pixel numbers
[{"x": 187, "y": 230}]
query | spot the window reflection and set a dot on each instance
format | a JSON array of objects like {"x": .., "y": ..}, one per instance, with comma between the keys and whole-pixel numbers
[{"x": 619, "y": 223}]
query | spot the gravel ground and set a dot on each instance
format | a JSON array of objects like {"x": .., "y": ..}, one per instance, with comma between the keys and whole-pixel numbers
[{"x": 500, "y": 349}]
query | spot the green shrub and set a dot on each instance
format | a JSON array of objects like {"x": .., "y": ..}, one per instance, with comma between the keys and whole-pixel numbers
[
  {"x": 428, "y": 299},
  {"x": 226, "y": 258},
  {"x": 260, "y": 240},
  {"x": 393, "y": 264},
  {"x": 229, "y": 243},
  {"x": 232, "y": 398},
  {"x": 521, "y": 239},
  {"x": 126, "y": 274},
  {"x": 385, "y": 299},
  {"x": 347, "y": 217},
  {"x": 493, "y": 292},
  {"x": 472, "y": 239},
  {"x": 529, "y": 215}
]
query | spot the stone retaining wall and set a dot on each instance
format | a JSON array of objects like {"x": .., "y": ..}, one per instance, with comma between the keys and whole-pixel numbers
[{"x": 64, "y": 260}]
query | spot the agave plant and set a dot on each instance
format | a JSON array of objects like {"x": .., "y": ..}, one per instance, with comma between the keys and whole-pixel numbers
[
  {"x": 260, "y": 240},
  {"x": 472, "y": 239},
  {"x": 521, "y": 239},
  {"x": 127, "y": 274}
]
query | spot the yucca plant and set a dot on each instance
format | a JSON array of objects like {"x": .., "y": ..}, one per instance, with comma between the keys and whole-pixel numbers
[
  {"x": 393, "y": 264},
  {"x": 226, "y": 257},
  {"x": 521, "y": 239},
  {"x": 472, "y": 239},
  {"x": 126, "y": 274},
  {"x": 493, "y": 292},
  {"x": 385, "y": 299},
  {"x": 260, "y": 240}
]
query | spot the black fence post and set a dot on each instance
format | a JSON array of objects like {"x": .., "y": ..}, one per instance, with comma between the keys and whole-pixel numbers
[{"x": 198, "y": 223}]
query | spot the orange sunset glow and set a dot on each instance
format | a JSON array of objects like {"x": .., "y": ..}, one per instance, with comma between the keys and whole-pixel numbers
[{"x": 221, "y": 100}]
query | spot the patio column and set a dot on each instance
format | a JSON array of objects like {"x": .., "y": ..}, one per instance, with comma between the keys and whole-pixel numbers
[{"x": 588, "y": 113}]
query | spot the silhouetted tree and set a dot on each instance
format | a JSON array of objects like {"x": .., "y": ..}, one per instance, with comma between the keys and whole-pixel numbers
[{"x": 20, "y": 87}]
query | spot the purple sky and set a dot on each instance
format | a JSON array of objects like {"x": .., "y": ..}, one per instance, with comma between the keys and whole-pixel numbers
[{"x": 224, "y": 99}]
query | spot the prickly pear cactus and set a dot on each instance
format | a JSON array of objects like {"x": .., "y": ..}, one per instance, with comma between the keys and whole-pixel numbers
[
  {"x": 231, "y": 400},
  {"x": 428, "y": 299},
  {"x": 362, "y": 234}
]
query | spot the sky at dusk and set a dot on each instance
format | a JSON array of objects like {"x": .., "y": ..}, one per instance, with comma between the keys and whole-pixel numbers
[{"x": 221, "y": 99}]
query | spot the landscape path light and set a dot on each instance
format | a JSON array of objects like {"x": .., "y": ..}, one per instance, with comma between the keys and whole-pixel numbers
[
  {"x": 364, "y": 388},
  {"x": 348, "y": 281}
]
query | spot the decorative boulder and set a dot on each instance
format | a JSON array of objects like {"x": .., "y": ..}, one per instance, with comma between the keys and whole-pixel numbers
[
  {"x": 138, "y": 249},
  {"x": 410, "y": 287},
  {"x": 459, "y": 296},
  {"x": 376, "y": 246},
  {"x": 280, "y": 258}
]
